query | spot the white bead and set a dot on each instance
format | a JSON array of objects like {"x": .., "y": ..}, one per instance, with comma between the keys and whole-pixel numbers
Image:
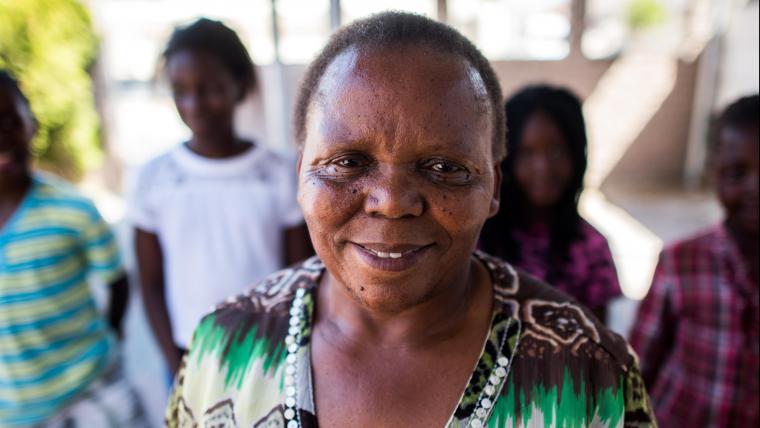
[
  {"x": 289, "y": 414},
  {"x": 290, "y": 391},
  {"x": 290, "y": 369},
  {"x": 481, "y": 412},
  {"x": 293, "y": 330},
  {"x": 290, "y": 402},
  {"x": 486, "y": 403},
  {"x": 292, "y": 348},
  {"x": 503, "y": 361},
  {"x": 289, "y": 380},
  {"x": 476, "y": 423},
  {"x": 501, "y": 372},
  {"x": 300, "y": 292},
  {"x": 294, "y": 321},
  {"x": 290, "y": 339},
  {"x": 494, "y": 379},
  {"x": 293, "y": 424},
  {"x": 294, "y": 312},
  {"x": 290, "y": 359},
  {"x": 298, "y": 302},
  {"x": 489, "y": 390}
]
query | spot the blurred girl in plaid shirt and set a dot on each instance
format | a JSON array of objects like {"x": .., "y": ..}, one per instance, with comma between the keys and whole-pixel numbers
[{"x": 697, "y": 330}]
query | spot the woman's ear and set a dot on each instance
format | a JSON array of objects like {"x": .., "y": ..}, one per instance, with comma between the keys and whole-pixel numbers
[{"x": 496, "y": 196}]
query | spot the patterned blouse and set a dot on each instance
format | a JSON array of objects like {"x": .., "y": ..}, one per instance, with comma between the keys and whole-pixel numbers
[
  {"x": 546, "y": 362},
  {"x": 588, "y": 275}
]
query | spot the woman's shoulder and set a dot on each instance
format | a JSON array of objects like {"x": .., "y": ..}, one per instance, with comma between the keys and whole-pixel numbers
[
  {"x": 281, "y": 165},
  {"x": 47, "y": 185},
  {"x": 263, "y": 310},
  {"x": 705, "y": 240},
  {"x": 156, "y": 170},
  {"x": 590, "y": 235},
  {"x": 553, "y": 319},
  {"x": 278, "y": 157},
  {"x": 56, "y": 196}
]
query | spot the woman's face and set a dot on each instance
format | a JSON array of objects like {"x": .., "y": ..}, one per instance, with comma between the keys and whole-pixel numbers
[
  {"x": 737, "y": 176},
  {"x": 396, "y": 175},
  {"x": 544, "y": 166},
  {"x": 205, "y": 92}
]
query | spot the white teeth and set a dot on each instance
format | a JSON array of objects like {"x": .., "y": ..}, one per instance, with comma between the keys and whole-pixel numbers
[
  {"x": 384, "y": 255},
  {"x": 387, "y": 255}
]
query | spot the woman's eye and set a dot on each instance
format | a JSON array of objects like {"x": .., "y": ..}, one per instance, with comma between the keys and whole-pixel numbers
[
  {"x": 444, "y": 168},
  {"x": 215, "y": 88},
  {"x": 348, "y": 163},
  {"x": 448, "y": 172},
  {"x": 735, "y": 173}
]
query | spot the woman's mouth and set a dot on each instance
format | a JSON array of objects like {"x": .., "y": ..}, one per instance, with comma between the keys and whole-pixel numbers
[
  {"x": 389, "y": 254},
  {"x": 390, "y": 257}
]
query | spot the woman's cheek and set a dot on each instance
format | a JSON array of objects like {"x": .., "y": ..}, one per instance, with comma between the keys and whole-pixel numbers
[
  {"x": 328, "y": 202},
  {"x": 463, "y": 212}
]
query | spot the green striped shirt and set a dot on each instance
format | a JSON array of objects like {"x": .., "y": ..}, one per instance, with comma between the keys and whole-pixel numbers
[{"x": 53, "y": 342}]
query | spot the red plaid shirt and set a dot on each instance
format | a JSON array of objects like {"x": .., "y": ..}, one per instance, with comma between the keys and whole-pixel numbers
[{"x": 697, "y": 335}]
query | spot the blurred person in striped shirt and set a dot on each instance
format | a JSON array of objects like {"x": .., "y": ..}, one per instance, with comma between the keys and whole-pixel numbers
[
  {"x": 697, "y": 329},
  {"x": 59, "y": 360}
]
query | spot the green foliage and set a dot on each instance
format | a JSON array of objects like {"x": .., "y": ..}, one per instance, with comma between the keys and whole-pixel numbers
[
  {"x": 50, "y": 45},
  {"x": 643, "y": 14}
]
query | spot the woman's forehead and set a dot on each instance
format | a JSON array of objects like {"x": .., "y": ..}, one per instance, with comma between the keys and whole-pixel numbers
[
  {"x": 401, "y": 90},
  {"x": 736, "y": 142},
  {"x": 400, "y": 65},
  {"x": 196, "y": 62}
]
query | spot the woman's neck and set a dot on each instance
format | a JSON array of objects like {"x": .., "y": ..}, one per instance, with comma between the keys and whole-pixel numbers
[
  {"x": 219, "y": 145},
  {"x": 442, "y": 315},
  {"x": 534, "y": 216}
]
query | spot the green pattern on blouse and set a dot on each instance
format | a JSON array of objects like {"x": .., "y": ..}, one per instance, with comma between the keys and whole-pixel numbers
[{"x": 565, "y": 368}]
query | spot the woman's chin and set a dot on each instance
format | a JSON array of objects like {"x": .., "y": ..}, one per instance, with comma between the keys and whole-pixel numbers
[{"x": 388, "y": 298}]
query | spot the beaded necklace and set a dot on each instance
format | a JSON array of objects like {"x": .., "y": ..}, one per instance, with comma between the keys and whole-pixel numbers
[{"x": 480, "y": 414}]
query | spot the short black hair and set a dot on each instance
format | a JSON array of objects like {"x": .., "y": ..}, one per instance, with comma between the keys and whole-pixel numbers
[
  {"x": 398, "y": 28},
  {"x": 565, "y": 109},
  {"x": 742, "y": 113},
  {"x": 7, "y": 81},
  {"x": 217, "y": 39}
]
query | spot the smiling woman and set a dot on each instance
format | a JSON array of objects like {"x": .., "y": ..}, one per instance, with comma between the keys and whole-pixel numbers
[
  {"x": 416, "y": 180},
  {"x": 401, "y": 136}
]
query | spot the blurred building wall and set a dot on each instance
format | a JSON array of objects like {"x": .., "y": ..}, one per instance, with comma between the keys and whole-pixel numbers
[
  {"x": 740, "y": 61},
  {"x": 651, "y": 92}
]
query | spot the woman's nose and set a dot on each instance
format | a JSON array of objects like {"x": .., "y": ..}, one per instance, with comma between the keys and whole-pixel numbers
[{"x": 394, "y": 194}]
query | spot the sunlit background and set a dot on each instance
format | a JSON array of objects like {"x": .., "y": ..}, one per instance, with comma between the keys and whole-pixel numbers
[{"x": 652, "y": 74}]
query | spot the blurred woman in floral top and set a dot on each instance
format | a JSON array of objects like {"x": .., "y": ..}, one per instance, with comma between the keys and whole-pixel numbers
[{"x": 538, "y": 227}]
